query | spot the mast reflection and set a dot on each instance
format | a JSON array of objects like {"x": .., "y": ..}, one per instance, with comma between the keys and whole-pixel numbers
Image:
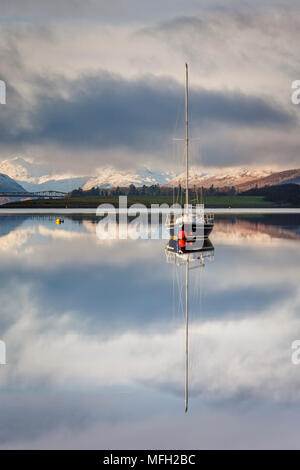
[{"x": 191, "y": 255}]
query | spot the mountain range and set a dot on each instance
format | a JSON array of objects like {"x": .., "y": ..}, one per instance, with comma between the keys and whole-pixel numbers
[
  {"x": 37, "y": 177},
  {"x": 110, "y": 177},
  {"x": 20, "y": 173},
  {"x": 281, "y": 177},
  {"x": 221, "y": 178},
  {"x": 241, "y": 178}
]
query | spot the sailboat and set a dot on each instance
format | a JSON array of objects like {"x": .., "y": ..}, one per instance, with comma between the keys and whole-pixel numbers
[{"x": 194, "y": 223}]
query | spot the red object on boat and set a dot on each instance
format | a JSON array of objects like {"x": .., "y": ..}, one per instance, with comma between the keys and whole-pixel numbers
[
  {"x": 181, "y": 243},
  {"x": 181, "y": 235}
]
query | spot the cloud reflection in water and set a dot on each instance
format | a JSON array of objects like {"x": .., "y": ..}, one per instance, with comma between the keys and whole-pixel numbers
[{"x": 94, "y": 346}]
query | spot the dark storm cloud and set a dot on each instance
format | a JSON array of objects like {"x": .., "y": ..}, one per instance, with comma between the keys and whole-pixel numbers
[{"x": 106, "y": 111}]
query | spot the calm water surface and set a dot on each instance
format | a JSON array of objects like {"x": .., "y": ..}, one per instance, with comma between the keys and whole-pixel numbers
[{"x": 94, "y": 332}]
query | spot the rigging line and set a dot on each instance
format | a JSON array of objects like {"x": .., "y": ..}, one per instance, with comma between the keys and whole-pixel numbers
[
  {"x": 186, "y": 335},
  {"x": 192, "y": 156},
  {"x": 179, "y": 165},
  {"x": 193, "y": 345},
  {"x": 195, "y": 290},
  {"x": 179, "y": 289},
  {"x": 173, "y": 304},
  {"x": 193, "y": 140},
  {"x": 182, "y": 295},
  {"x": 179, "y": 107},
  {"x": 194, "y": 301},
  {"x": 180, "y": 154},
  {"x": 173, "y": 293},
  {"x": 192, "y": 276},
  {"x": 180, "y": 158},
  {"x": 200, "y": 293},
  {"x": 197, "y": 149}
]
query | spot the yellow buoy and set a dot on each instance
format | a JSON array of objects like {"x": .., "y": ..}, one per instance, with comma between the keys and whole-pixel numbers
[{"x": 58, "y": 221}]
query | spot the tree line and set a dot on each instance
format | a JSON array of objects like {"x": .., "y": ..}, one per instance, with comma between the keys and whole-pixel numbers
[
  {"x": 283, "y": 194},
  {"x": 153, "y": 190}
]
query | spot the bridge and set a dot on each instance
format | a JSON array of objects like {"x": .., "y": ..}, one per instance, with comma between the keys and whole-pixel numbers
[{"x": 34, "y": 194}]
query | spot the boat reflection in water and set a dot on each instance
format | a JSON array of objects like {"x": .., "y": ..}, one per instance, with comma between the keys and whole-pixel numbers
[{"x": 191, "y": 255}]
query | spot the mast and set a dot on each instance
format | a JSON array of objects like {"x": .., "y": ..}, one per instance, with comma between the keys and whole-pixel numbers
[
  {"x": 187, "y": 335},
  {"x": 187, "y": 133},
  {"x": 187, "y": 262}
]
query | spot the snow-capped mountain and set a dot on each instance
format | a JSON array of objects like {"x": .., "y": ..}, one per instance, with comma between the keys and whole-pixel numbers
[
  {"x": 23, "y": 170},
  {"x": 37, "y": 177},
  {"x": 64, "y": 184},
  {"x": 228, "y": 177},
  {"x": 280, "y": 177},
  {"x": 8, "y": 184},
  {"x": 110, "y": 177}
]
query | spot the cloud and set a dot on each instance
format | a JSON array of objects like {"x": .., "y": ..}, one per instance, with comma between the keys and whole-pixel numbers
[
  {"x": 35, "y": 10},
  {"x": 64, "y": 110},
  {"x": 235, "y": 48},
  {"x": 249, "y": 428},
  {"x": 106, "y": 112}
]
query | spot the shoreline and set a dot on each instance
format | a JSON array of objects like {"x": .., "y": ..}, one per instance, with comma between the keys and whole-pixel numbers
[{"x": 93, "y": 211}]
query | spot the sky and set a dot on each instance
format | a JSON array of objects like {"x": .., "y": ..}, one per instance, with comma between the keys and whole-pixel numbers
[{"x": 102, "y": 83}]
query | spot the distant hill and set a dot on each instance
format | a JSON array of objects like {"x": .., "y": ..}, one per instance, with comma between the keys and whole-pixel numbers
[
  {"x": 109, "y": 177},
  {"x": 242, "y": 179},
  {"x": 65, "y": 185},
  {"x": 227, "y": 177},
  {"x": 8, "y": 184},
  {"x": 37, "y": 177},
  {"x": 281, "y": 177}
]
